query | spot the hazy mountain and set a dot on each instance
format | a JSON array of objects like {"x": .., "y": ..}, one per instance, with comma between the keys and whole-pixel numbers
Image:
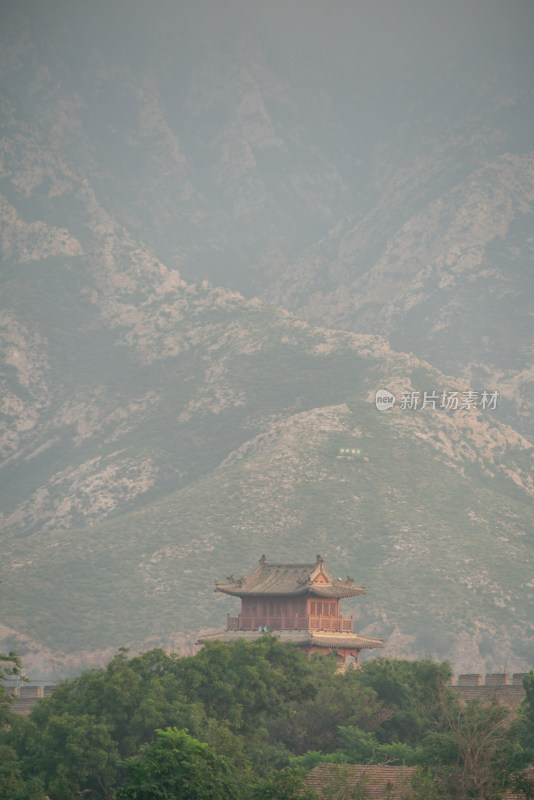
[{"x": 221, "y": 232}]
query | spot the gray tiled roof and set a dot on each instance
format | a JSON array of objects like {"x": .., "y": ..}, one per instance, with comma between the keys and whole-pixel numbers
[
  {"x": 374, "y": 781},
  {"x": 290, "y": 579}
]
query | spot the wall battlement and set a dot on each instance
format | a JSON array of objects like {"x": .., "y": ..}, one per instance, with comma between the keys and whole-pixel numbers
[
  {"x": 508, "y": 692},
  {"x": 26, "y": 697}
]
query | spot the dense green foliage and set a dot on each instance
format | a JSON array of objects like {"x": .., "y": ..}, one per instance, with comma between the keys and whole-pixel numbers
[
  {"x": 249, "y": 720},
  {"x": 176, "y": 765},
  {"x": 10, "y": 667}
]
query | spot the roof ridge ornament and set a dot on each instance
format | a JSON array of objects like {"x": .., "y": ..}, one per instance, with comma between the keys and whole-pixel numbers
[{"x": 274, "y": 580}]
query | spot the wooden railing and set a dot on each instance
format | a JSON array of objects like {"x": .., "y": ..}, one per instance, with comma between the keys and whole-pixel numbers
[{"x": 282, "y": 622}]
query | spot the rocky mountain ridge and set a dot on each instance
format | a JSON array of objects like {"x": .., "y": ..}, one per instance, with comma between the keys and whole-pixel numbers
[{"x": 212, "y": 258}]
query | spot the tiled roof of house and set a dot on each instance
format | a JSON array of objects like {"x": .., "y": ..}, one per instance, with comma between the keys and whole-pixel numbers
[
  {"x": 290, "y": 580},
  {"x": 376, "y": 782}
]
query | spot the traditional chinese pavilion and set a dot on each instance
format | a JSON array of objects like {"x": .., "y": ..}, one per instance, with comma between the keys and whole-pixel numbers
[{"x": 298, "y": 603}]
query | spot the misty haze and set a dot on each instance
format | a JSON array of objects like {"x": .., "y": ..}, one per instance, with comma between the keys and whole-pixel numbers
[{"x": 224, "y": 228}]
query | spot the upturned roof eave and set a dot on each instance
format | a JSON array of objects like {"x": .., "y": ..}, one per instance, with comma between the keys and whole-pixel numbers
[
  {"x": 346, "y": 641},
  {"x": 302, "y": 638},
  {"x": 320, "y": 591},
  {"x": 323, "y": 590},
  {"x": 244, "y": 592},
  {"x": 290, "y": 580}
]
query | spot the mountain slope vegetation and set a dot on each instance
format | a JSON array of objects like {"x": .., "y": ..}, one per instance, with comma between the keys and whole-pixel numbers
[{"x": 218, "y": 240}]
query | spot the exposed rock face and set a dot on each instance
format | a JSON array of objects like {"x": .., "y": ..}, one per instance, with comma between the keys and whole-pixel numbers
[{"x": 212, "y": 258}]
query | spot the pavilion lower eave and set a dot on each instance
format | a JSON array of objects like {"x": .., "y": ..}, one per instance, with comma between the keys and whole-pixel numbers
[{"x": 337, "y": 641}]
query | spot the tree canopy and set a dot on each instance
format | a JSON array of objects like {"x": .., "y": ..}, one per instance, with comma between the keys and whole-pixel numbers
[{"x": 249, "y": 720}]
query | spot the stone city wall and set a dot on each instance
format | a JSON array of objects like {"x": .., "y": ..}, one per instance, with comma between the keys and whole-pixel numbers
[
  {"x": 508, "y": 692},
  {"x": 26, "y": 697}
]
